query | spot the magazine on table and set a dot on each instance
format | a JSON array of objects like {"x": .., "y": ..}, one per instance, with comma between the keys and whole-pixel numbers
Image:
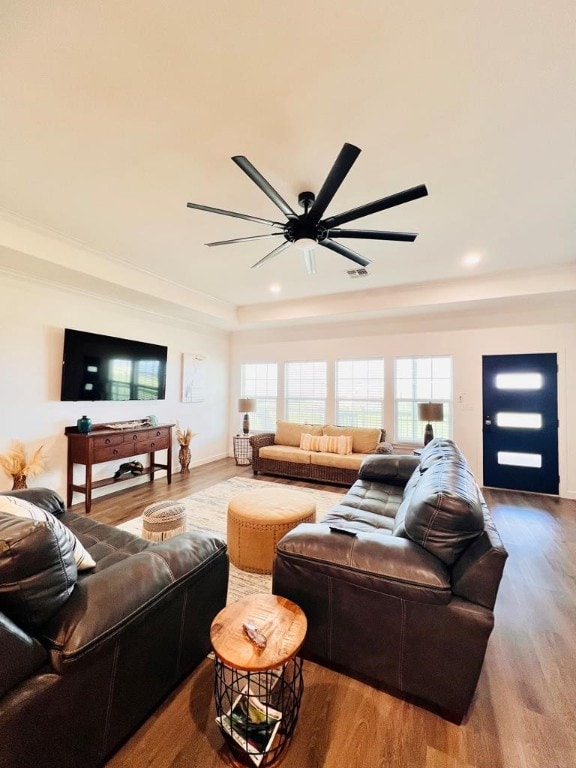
[{"x": 252, "y": 724}]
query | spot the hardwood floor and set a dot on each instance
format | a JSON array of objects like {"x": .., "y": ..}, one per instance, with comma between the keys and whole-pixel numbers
[{"x": 524, "y": 711}]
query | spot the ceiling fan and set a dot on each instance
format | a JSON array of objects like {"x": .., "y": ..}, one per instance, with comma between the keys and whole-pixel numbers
[{"x": 309, "y": 229}]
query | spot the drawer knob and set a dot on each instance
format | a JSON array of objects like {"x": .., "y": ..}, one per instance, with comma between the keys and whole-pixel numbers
[
  {"x": 152, "y": 445},
  {"x": 107, "y": 441},
  {"x": 134, "y": 437}
]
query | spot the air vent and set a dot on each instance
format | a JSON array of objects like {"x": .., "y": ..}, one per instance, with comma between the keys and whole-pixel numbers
[{"x": 357, "y": 272}]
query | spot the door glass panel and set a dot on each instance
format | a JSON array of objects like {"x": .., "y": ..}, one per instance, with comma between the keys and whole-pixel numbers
[
  {"x": 533, "y": 460},
  {"x": 519, "y": 420},
  {"x": 519, "y": 381}
]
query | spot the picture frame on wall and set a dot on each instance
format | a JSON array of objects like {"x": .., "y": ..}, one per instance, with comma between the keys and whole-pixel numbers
[{"x": 193, "y": 378}]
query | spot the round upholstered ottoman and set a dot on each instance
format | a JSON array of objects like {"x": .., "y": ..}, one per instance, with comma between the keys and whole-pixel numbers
[
  {"x": 163, "y": 520},
  {"x": 258, "y": 519}
]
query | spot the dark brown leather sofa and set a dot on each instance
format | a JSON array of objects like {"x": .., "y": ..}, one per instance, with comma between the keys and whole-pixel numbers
[
  {"x": 75, "y": 687},
  {"x": 406, "y": 602}
]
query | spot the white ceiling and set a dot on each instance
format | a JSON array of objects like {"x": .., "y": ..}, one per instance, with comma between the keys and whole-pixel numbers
[{"x": 114, "y": 115}]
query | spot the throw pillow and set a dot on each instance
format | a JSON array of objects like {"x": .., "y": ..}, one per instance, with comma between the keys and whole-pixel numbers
[
  {"x": 310, "y": 442},
  {"x": 341, "y": 444},
  {"x": 364, "y": 439},
  {"x": 24, "y": 509}
]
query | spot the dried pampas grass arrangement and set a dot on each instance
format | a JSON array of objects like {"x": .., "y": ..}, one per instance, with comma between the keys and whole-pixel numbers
[
  {"x": 185, "y": 436},
  {"x": 17, "y": 466}
]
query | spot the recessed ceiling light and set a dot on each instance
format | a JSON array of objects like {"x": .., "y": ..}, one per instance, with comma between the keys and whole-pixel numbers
[
  {"x": 275, "y": 288},
  {"x": 471, "y": 260}
]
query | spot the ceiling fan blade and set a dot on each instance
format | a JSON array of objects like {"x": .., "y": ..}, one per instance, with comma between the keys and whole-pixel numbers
[
  {"x": 343, "y": 251},
  {"x": 378, "y": 205},
  {"x": 338, "y": 173},
  {"x": 270, "y": 255},
  {"x": 373, "y": 234},
  {"x": 244, "y": 239},
  {"x": 235, "y": 215},
  {"x": 245, "y": 164}
]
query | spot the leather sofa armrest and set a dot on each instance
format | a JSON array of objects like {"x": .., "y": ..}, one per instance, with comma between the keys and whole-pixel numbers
[
  {"x": 386, "y": 468},
  {"x": 21, "y": 655},
  {"x": 45, "y": 498},
  {"x": 386, "y": 564},
  {"x": 106, "y": 601}
]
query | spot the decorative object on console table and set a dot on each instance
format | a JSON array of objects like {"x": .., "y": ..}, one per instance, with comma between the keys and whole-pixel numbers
[
  {"x": 246, "y": 405},
  {"x": 430, "y": 412},
  {"x": 84, "y": 424},
  {"x": 184, "y": 438},
  {"x": 18, "y": 467},
  {"x": 134, "y": 467}
]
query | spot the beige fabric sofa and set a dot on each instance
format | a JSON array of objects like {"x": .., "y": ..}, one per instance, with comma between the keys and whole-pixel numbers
[{"x": 279, "y": 453}]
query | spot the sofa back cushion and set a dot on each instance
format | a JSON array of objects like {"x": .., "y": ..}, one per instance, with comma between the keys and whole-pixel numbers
[
  {"x": 364, "y": 439},
  {"x": 442, "y": 510},
  {"x": 37, "y": 569},
  {"x": 290, "y": 432}
]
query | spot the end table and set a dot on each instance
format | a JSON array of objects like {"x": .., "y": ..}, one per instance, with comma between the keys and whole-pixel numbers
[
  {"x": 258, "y": 690},
  {"x": 242, "y": 449}
]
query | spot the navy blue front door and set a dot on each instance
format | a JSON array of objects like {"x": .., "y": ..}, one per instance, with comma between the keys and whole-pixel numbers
[{"x": 520, "y": 431}]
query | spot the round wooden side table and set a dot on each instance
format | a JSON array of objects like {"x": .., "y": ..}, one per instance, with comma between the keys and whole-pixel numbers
[{"x": 258, "y": 675}]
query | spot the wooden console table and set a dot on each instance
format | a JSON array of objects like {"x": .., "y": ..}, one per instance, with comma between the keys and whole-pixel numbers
[{"x": 104, "y": 444}]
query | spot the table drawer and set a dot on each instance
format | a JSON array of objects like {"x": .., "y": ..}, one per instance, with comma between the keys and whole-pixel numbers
[
  {"x": 111, "y": 452},
  {"x": 107, "y": 440},
  {"x": 144, "y": 435}
]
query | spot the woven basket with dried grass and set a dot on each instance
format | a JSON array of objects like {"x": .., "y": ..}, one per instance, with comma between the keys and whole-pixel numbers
[
  {"x": 18, "y": 467},
  {"x": 184, "y": 437}
]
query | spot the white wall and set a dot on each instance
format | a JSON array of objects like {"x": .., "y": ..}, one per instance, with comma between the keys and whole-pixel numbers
[
  {"x": 466, "y": 346},
  {"x": 32, "y": 321}
]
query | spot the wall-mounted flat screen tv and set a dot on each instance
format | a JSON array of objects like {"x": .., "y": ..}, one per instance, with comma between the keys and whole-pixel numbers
[{"x": 96, "y": 367}]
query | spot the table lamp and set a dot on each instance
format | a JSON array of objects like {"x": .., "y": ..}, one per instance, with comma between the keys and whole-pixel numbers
[
  {"x": 246, "y": 405},
  {"x": 430, "y": 412}
]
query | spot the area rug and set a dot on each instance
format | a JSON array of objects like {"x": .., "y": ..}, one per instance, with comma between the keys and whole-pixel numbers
[{"x": 206, "y": 510}]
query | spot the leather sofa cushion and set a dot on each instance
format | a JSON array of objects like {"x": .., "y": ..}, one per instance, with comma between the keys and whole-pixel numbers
[
  {"x": 364, "y": 439},
  {"x": 21, "y": 655},
  {"x": 44, "y": 498},
  {"x": 37, "y": 570},
  {"x": 23, "y": 508},
  {"x": 388, "y": 469},
  {"x": 285, "y": 453},
  {"x": 443, "y": 512},
  {"x": 289, "y": 433}
]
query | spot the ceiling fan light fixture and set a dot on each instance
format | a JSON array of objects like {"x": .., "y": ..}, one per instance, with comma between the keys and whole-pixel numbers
[
  {"x": 310, "y": 262},
  {"x": 305, "y": 244}
]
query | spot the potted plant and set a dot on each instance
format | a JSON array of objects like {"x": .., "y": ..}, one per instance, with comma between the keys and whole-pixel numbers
[{"x": 18, "y": 467}]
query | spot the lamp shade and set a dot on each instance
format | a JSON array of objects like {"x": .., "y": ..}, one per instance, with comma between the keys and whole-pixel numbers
[
  {"x": 431, "y": 412},
  {"x": 246, "y": 405}
]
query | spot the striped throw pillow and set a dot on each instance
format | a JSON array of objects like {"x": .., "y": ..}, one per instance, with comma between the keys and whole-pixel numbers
[{"x": 22, "y": 508}]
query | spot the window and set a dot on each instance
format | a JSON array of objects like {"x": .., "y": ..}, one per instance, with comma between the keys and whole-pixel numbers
[
  {"x": 260, "y": 381},
  {"x": 360, "y": 393},
  {"x": 421, "y": 380},
  {"x": 305, "y": 392}
]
